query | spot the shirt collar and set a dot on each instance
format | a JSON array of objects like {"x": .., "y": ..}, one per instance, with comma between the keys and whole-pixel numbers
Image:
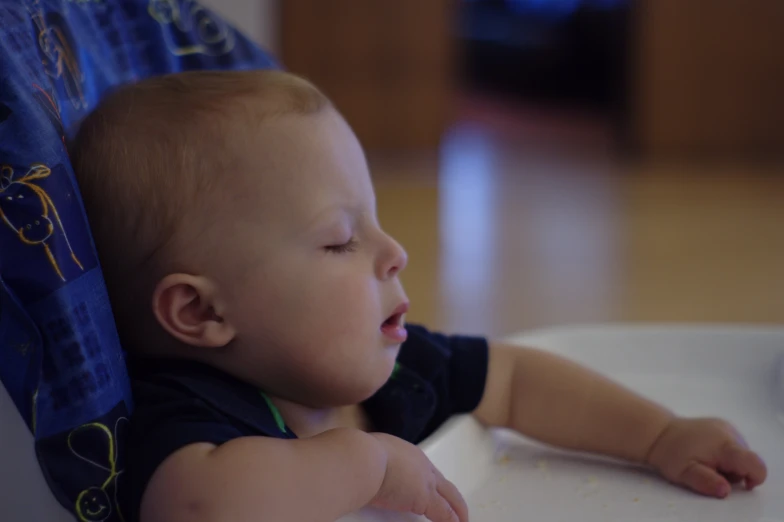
[
  {"x": 230, "y": 396},
  {"x": 402, "y": 407}
]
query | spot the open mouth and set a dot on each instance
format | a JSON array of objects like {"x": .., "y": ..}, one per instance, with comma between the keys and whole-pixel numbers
[
  {"x": 393, "y": 320},
  {"x": 394, "y": 326}
]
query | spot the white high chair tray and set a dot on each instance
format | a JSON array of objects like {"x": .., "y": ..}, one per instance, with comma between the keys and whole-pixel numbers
[{"x": 735, "y": 373}]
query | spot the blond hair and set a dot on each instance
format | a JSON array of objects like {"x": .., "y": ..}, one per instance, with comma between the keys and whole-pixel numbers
[{"x": 151, "y": 151}]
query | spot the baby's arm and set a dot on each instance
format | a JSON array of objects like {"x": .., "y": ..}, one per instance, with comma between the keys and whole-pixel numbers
[
  {"x": 321, "y": 478},
  {"x": 556, "y": 401},
  {"x": 262, "y": 478}
]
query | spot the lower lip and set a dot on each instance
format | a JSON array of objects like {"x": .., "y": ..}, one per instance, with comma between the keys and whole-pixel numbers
[{"x": 395, "y": 333}]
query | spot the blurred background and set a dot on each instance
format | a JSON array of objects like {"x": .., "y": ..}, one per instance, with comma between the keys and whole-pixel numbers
[{"x": 550, "y": 162}]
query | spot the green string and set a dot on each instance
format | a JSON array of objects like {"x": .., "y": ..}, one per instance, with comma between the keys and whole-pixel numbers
[{"x": 275, "y": 413}]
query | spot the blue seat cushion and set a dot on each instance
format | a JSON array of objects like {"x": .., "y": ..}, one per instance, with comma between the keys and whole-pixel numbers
[{"x": 60, "y": 358}]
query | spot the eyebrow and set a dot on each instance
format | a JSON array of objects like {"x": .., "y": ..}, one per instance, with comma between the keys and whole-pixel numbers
[{"x": 317, "y": 221}]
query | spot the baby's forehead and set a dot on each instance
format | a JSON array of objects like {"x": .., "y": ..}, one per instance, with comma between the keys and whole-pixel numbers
[{"x": 310, "y": 206}]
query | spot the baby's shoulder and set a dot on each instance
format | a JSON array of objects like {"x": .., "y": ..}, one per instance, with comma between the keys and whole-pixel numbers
[{"x": 436, "y": 376}]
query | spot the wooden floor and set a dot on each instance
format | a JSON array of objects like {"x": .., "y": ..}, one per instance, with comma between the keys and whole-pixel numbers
[{"x": 506, "y": 234}]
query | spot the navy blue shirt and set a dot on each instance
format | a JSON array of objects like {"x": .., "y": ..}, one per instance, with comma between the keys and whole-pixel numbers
[{"x": 181, "y": 402}]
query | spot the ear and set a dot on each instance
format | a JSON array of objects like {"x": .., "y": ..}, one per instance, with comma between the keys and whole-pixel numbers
[{"x": 187, "y": 308}]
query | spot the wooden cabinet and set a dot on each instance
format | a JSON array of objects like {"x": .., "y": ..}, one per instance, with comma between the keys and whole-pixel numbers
[{"x": 387, "y": 64}]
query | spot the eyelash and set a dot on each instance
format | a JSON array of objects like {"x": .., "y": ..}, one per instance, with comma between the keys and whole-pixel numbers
[{"x": 350, "y": 246}]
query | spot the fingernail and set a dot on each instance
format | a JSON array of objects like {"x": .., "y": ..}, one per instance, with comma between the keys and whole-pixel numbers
[{"x": 723, "y": 490}]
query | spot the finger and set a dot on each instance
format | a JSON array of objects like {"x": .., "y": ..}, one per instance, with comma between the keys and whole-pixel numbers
[
  {"x": 703, "y": 479},
  {"x": 736, "y": 460},
  {"x": 452, "y": 495},
  {"x": 758, "y": 472},
  {"x": 439, "y": 510},
  {"x": 732, "y": 478}
]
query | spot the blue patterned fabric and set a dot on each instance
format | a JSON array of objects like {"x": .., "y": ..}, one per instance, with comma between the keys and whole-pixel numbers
[{"x": 60, "y": 357}]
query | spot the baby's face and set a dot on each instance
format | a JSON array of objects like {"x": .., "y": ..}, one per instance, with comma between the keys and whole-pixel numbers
[{"x": 309, "y": 277}]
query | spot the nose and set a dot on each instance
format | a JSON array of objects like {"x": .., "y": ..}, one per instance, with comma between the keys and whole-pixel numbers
[{"x": 393, "y": 259}]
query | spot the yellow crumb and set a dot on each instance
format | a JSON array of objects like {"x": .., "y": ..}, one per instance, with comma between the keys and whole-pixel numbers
[
  {"x": 505, "y": 459},
  {"x": 636, "y": 499}
]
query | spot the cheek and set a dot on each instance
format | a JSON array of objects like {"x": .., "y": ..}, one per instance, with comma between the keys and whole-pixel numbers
[
  {"x": 339, "y": 304},
  {"x": 312, "y": 304},
  {"x": 319, "y": 329}
]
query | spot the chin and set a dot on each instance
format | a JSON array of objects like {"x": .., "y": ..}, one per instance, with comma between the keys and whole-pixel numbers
[
  {"x": 370, "y": 388},
  {"x": 345, "y": 398},
  {"x": 391, "y": 353},
  {"x": 354, "y": 391}
]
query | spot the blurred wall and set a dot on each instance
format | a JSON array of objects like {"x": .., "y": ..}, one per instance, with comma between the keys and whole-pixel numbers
[
  {"x": 387, "y": 64},
  {"x": 258, "y": 19},
  {"x": 709, "y": 78}
]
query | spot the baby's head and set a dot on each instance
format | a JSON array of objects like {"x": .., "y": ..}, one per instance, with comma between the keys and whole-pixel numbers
[{"x": 236, "y": 224}]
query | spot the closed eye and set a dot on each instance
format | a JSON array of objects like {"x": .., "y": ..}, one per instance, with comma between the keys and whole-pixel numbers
[{"x": 349, "y": 246}]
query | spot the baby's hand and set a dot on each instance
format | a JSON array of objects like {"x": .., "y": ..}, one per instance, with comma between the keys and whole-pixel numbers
[
  {"x": 412, "y": 484},
  {"x": 706, "y": 455}
]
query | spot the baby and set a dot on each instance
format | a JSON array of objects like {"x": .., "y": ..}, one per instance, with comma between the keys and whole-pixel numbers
[{"x": 259, "y": 300}]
